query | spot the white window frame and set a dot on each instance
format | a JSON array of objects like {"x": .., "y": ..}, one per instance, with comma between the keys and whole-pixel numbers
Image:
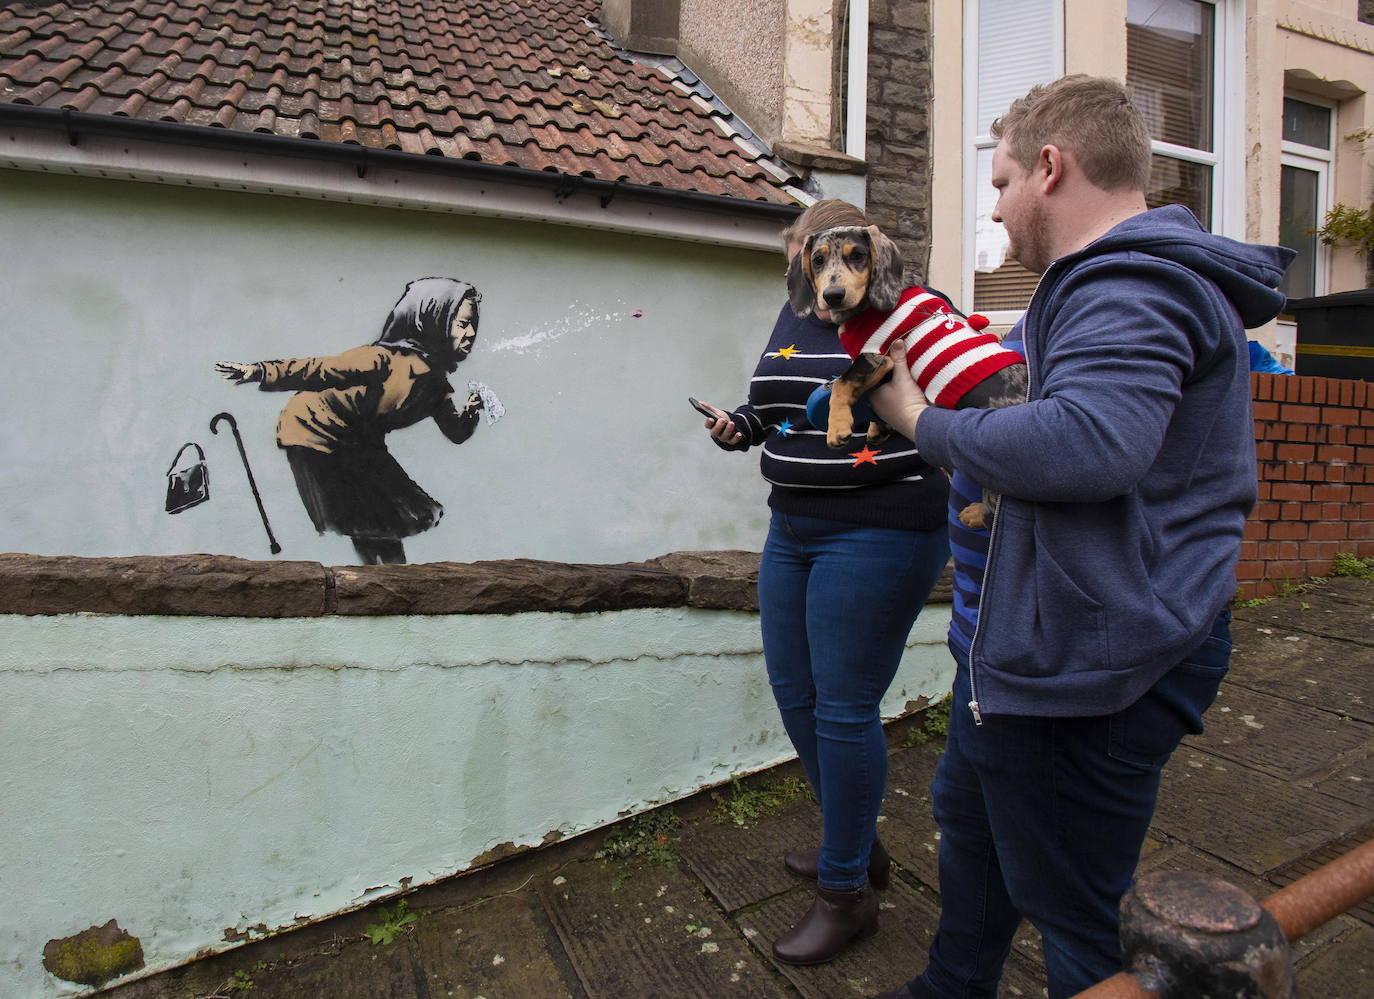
[
  {"x": 1321, "y": 162},
  {"x": 1225, "y": 159},
  {"x": 974, "y": 143}
]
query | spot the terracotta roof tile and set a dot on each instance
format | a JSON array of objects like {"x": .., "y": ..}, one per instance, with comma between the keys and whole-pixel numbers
[{"x": 537, "y": 86}]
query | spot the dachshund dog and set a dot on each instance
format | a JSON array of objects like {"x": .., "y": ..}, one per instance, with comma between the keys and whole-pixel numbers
[{"x": 855, "y": 274}]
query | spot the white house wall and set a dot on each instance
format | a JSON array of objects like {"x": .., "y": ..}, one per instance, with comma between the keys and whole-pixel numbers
[
  {"x": 120, "y": 296},
  {"x": 203, "y": 781}
]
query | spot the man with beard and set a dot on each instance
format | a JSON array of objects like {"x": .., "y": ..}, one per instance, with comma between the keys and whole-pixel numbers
[{"x": 1091, "y": 627}]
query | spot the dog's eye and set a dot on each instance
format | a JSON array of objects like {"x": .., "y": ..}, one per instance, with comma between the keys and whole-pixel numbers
[{"x": 856, "y": 257}]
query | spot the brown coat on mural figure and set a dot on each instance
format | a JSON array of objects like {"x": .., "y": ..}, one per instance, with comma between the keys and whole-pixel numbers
[{"x": 334, "y": 429}]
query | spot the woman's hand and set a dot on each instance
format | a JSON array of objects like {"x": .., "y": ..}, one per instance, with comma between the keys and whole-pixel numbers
[
  {"x": 239, "y": 374},
  {"x": 721, "y": 427},
  {"x": 899, "y": 401},
  {"x": 473, "y": 404}
]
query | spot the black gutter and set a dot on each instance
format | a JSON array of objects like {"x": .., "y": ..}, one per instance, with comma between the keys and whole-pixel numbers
[{"x": 75, "y": 124}]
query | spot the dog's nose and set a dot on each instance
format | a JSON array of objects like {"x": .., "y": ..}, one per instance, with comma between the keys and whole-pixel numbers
[{"x": 833, "y": 296}]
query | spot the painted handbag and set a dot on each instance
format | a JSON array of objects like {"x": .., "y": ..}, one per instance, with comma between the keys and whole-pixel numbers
[{"x": 188, "y": 486}]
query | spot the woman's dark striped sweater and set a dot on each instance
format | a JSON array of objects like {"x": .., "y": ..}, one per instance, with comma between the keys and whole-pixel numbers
[{"x": 886, "y": 485}]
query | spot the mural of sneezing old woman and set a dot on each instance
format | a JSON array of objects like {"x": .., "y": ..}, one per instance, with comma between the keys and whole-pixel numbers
[{"x": 334, "y": 428}]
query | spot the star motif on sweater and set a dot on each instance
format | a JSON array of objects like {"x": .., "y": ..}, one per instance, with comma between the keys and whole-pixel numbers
[
  {"x": 784, "y": 428},
  {"x": 786, "y": 352},
  {"x": 867, "y": 455}
]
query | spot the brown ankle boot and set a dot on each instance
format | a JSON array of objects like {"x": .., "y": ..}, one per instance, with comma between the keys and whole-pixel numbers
[
  {"x": 835, "y": 919},
  {"x": 806, "y": 864}
]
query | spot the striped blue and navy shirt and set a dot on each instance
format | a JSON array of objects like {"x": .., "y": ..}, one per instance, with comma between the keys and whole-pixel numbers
[
  {"x": 887, "y": 484},
  {"x": 969, "y": 546}
]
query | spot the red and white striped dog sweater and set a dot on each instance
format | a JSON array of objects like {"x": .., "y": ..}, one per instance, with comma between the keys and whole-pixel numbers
[{"x": 947, "y": 355}]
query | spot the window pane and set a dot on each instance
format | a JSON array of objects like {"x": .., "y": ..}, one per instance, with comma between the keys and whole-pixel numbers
[
  {"x": 1016, "y": 51},
  {"x": 1169, "y": 68},
  {"x": 1178, "y": 182},
  {"x": 1309, "y": 124},
  {"x": 1298, "y": 211},
  {"x": 998, "y": 283}
]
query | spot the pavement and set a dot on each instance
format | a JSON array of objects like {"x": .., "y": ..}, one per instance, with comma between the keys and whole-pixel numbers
[{"x": 684, "y": 902}]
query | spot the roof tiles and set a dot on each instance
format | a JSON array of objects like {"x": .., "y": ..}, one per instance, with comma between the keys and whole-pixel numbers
[{"x": 530, "y": 84}]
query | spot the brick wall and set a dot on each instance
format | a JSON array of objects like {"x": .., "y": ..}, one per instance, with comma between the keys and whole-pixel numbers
[
  {"x": 1314, "y": 440},
  {"x": 897, "y": 139}
]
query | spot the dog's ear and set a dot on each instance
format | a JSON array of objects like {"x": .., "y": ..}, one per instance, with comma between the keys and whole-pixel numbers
[
  {"x": 801, "y": 293},
  {"x": 885, "y": 283}
]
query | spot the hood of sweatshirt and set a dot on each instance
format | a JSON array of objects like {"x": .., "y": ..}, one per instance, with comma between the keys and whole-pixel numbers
[{"x": 1246, "y": 273}]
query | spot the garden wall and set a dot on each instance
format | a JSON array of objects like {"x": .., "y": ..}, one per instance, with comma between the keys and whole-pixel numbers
[{"x": 1314, "y": 441}]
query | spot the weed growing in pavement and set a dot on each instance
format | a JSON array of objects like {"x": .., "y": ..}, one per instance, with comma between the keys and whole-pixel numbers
[
  {"x": 392, "y": 925},
  {"x": 653, "y": 836},
  {"x": 934, "y": 724},
  {"x": 742, "y": 805}
]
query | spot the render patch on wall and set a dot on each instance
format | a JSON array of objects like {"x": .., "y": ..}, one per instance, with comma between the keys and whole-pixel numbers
[{"x": 334, "y": 428}]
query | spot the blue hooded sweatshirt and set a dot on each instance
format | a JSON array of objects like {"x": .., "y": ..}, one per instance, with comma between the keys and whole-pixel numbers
[{"x": 1128, "y": 474}]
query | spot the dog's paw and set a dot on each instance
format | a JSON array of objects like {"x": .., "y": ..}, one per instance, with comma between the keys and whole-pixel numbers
[
  {"x": 974, "y": 515},
  {"x": 878, "y": 432},
  {"x": 837, "y": 440}
]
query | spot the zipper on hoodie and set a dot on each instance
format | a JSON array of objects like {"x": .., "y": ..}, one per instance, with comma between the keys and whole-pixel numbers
[{"x": 992, "y": 533}]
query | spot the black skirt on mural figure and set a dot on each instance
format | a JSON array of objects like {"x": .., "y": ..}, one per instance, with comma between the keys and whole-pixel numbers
[{"x": 361, "y": 492}]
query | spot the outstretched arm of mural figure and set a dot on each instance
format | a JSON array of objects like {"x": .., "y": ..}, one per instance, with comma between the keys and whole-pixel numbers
[
  {"x": 457, "y": 424},
  {"x": 239, "y": 374}
]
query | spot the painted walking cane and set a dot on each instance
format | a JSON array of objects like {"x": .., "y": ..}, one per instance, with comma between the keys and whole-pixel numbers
[{"x": 276, "y": 548}]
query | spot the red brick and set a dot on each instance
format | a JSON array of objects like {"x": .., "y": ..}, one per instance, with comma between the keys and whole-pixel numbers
[
  {"x": 1263, "y": 488},
  {"x": 1365, "y": 512},
  {"x": 1288, "y": 550},
  {"x": 1364, "y": 455},
  {"x": 1367, "y": 417},
  {"x": 1295, "y": 452},
  {"x": 1295, "y": 472},
  {"x": 1299, "y": 433},
  {"x": 1359, "y": 394},
  {"x": 1305, "y": 393},
  {"x": 1337, "y": 435},
  {"x": 1336, "y": 452},
  {"x": 1331, "y": 492},
  {"x": 1264, "y": 451},
  {"x": 1266, "y": 511},
  {"x": 1320, "y": 549},
  {"x": 1266, "y": 411},
  {"x": 1293, "y": 491},
  {"x": 1315, "y": 570},
  {"x": 1276, "y": 431},
  {"x": 1339, "y": 416},
  {"x": 1250, "y": 570},
  {"x": 1349, "y": 512},
  {"x": 1328, "y": 532},
  {"x": 1364, "y": 549},
  {"x": 1332, "y": 473},
  {"x": 1255, "y": 531},
  {"x": 1290, "y": 413},
  {"x": 1287, "y": 530},
  {"x": 1331, "y": 511},
  {"x": 1361, "y": 530},
  {"x": 1360, "y": 494},
  {"x": 1290, "y": 511}
]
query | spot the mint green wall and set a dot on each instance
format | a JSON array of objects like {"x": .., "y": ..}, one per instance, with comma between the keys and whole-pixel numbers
[
  {"x": 120, "y": 296},
  {"x": 187, "y": 775}
]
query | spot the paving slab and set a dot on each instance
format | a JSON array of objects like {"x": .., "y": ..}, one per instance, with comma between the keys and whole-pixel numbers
[
  {"x": 1290, "y": 872},
  {"x": 1352, "y": 780},
  {"x": 1343, "y": 613},
  {"x": 1278, "y": 736},
  {"x": 641, "y": 929},
  {"x": 907, "y": 824},
  {"x": 1306, "y": 668},
  {"x": 743, "y": 865},
  {"x": 1343, "y": 969},
  {"x": 1250, "y": 819},
  {"x": 908, "y": 914},
  {"x": 503, "y": 947}
]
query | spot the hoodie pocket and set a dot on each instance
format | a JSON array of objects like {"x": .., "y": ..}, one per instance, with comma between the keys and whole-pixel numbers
[{"x": 1039, "y": 621}]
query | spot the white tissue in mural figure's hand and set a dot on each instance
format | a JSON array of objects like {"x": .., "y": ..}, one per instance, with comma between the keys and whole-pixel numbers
[{"x": 491, "y": 405}]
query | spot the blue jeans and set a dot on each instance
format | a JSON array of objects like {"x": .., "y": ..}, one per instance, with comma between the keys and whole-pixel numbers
[
  {"x": 836, "y": 602},
  {"x": 1044, "y": 818}
]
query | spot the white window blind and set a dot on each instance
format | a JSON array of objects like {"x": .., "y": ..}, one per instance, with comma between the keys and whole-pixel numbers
[{"x": 1018, "y": 43}]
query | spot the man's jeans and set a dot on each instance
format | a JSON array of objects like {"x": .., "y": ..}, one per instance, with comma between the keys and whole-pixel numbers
[
  {"x": 836, "y": 603},
  {"x": 1043, "y": 819}
]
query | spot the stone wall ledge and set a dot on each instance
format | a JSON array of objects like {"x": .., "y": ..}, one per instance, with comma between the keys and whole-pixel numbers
[{"x": 225, "y": 586}]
